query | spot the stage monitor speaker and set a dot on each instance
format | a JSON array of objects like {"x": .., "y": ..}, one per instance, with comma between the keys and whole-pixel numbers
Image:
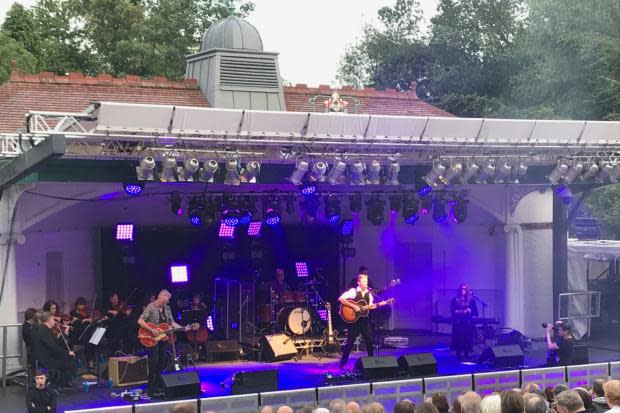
[
  {"x": 418, "y": 365},
  {"x": 277, "y": 347},
  {"x": 222, "y": 350},
  {"x": 580, "y": 354},
  {"x": 502, "y": 356},
  {"x": 380, "y": 367},
  {"x": 255, "y": 381},
  {"x": 181, "y": 384},
  {"x": 128, "y": 371}
]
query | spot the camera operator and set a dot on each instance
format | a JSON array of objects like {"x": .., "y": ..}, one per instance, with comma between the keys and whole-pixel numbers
[{"x": 560, "y": 348}]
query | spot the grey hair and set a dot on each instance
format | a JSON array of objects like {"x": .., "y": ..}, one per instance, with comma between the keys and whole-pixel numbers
[{"x": 569, "y": 399}]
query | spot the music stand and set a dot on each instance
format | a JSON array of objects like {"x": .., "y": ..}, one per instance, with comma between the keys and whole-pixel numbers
[{"x": 94, "y": 337}]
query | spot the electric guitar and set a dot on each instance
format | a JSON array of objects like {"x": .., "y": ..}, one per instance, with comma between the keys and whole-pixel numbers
[
  {"x": 349, "y": 315},
  {"x": 330, "y": 343},
  {"x": 163, "y": 333}
]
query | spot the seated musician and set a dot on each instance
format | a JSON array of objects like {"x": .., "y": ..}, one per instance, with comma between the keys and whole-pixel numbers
[
  {"x": 51, "y": 354},
  {"x": 81, "y": 319},
  {"x": 279, "y": 286},
  {"x": 52, "y": 307},
  {"x": 114, "y": 309},
  {"x": 27, "y": 332},
  {"x": 197, "y": 303}
]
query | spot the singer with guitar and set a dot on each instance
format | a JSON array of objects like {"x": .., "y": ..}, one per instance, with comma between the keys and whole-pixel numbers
[
  {"x": 156, "y": 313},
  {"x": 354, "y": 306}
]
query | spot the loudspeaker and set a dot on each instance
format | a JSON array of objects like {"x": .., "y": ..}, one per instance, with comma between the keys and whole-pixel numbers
[
  {"x": 222, "y": 350},
  {"x": 128, "y": 371},
  {"x": 255, "y": 381},
  {"x": 502, "y": 356},
  {"x": 277, "y": 347},
  {"x": 181, "y": 384},
  {"x": 417, "y": 365},
  {"x": 381, "y": 367},
  {"x": 580, "y": 354},
  {"x": 511, "y": 337}
]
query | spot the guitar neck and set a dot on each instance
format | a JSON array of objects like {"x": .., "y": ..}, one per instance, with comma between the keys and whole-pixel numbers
[{"x": 329, "y": 321}]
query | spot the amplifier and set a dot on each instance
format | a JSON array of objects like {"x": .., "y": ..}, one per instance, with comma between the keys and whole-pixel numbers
[{"x": 127, "y": 371}]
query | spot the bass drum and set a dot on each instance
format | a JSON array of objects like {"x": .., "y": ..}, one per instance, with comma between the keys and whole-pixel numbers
[{"x": 296, "y": 320}]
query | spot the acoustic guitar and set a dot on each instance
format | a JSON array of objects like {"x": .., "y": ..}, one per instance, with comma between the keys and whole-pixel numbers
[
  {"x": 330, "y": 343},
  {"x": 163, "y": 333},
  {"x": 349, "y": 315}
]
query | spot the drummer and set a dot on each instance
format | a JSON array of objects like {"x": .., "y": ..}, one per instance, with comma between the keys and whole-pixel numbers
[{"x": 278, "y": 286}]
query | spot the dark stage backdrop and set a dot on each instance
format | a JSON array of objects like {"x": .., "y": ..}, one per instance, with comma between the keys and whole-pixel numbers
[{"x": 144, "y": 263}]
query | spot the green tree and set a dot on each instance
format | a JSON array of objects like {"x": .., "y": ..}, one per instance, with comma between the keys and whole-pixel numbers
[
  {"x": 13, "y": 51},
  {"x": 20, "y": 25},
  {"x": 604, "y": 204}
]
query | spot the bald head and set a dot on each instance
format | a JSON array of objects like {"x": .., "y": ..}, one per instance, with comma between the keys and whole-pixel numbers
[
  {"x": 470, "y": 402},
  {"x": 284, "y": 409},
  {"x": 337, "y": 406},
  {"x": 353, "y": 407},
  {"x": 267, "y": 409}
]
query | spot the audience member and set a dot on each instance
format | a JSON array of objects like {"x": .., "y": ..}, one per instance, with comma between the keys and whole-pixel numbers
[
  {"x": 536, "y": 404},
  {"x": 267, "y": 409},
  {"x": 306, "y": 409},
  {"x": 184, "y": 408},
  {"x": 512, "y": 402},
  {"x": 470, "y": 402},
  {"x": 427, "y": 407},
  {"x": 353, "y": 407},
  {"x": 612, "y": 395},
  {"x": 373, "y": 408},
  {"x": 568, "y": 401},
  {"x": 40, "y": 399},
  {"x": 404, "y": 406},
  {"x": 321, "y": 410},
  {"x": 491, "y": 403},
  {"x": 586, "y": 398},
  {"x": 337, "y": 406},
  {"x": 598, "y": 396},
  {"x": 559, "y": 389},
  {"x": 440, "y": 402},
  {"x": 531, "y": 388},
  {"x": 456, "y": 405},
  {"x": 284, "y": 409},
  {"x": 549, "y": 394}
]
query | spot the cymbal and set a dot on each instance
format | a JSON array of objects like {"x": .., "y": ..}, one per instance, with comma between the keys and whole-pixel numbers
[{"x": 312, "y": 283}]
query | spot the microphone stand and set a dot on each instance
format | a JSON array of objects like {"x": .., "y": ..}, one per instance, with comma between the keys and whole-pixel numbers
[{"x": 484, "y": 318}]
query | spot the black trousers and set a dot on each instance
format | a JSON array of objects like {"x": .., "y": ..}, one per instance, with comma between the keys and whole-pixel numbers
[
  {"x": 361, "y": 326},
  {"x": 157, "y": 364}
]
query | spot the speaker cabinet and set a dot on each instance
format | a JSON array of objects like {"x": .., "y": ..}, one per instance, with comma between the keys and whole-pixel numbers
[
  {"x": 381, "y": 367},
  {"x": 222, "y": 350},
  {"x": 128, "y": 371},
  {"x": 255, "y": 381},
  {"x": 418, "y": 365},
  {"x": 502, "y": 356},
  {"x": 277, "y": 347},
  {"x": 179, "y": 384}
]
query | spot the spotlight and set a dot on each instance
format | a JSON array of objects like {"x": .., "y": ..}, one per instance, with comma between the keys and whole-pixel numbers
[
  {"x": 300, "y": 171},
  {"x": 355, "y": 203},
  {"x": 133, "y": 188},
  {"x": 336, "y": 173},
  {"x": 435, "y": 174},
  {"x": 521, "y": 169},
  {"x": 310, "y": 209},
  {"x": 232, "y": 172},
  {"x": 558, "y": 173},
  {"x": 606, "y": 172},
  {"x": 373, "y": 173},
  {"x": 124, "y": 232},
  {"x": 470, "y": 172},
  {"x": 230, "y": 216},
  {"x": 210, "y": 210},
  {"x": 488, "y": 171},
  {"x": 254, "y": 228},
  {"x": 332, "y": 209},
  {"x": 318, "y": 172},
  {"x": 590, "y": 172},
  {"x": 395, "y": 202},
  {"x": 456, "y": 169},
  {"x": 411, "y": 207},
  {"x": 425, "y": 205},
  {"x": 187, "y": 171},
  {"x": 247, "y": 209},
  {"x": 301, "y": 268},
  {"x": 271, "y": 210},
  {"x": 179, "y": 274},
  {"x": 575, "y": 170},
  {"x": 308, "y": 188},
  {"x": 503, "y": 172},
  {"x": 375, "y": 210},
  {"x": 392, "y": 173},
  {"x": 168, "y": 169},
  {"x": 439, "y": 210},
  {"x": 226, "y": 231},
  {"x": 207, "y": 173},
  {"x": 175, "y": 204},
  {"x": 356, "y": 173},
  {"x": 146, "y": 170},
  {"x": 252, "y": 168},
  {"x": 346, "y": 228},
  {"x": 458, "y": 210},
  {"x": 195, "y": 211}
]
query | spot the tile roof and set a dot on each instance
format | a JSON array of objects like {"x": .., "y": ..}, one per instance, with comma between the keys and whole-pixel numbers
[{"x": 73, "y": 93}]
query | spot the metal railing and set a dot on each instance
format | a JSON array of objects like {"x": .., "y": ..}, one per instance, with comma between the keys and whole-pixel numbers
[{"x": 4, "y": 356}]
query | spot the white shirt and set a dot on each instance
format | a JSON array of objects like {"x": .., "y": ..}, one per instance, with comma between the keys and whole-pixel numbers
[{"x": 352, "y": 292}]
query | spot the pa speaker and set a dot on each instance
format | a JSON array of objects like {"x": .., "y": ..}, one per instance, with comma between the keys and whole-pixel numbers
[
  {"x": 128, "y": 371},
  {"x": 222, "y": 350},
  {"x": 181, "y": 384},
  {"x": 502, "y": 356},
  {"x": 255, "y": 381},
  {"x": 277, "y": 347},
  {"x": 381, "y": 367},
  {"x": 417, "y": 365}
]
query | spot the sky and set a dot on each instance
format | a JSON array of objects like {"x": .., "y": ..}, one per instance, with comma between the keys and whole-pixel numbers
[{"x": 310, "y": 35}]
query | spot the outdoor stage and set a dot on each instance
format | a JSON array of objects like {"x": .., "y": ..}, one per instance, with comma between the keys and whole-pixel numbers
[{"x": 308, "y": 372}]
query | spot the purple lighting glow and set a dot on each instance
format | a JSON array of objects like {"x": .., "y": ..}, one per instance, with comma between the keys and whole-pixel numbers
[
  {"x": 302, "y": 269},
  {"x": 347, "y": 228},
  {"x": 254, "y": 228},
  {"x": 226, "y": 231},
  {"x": 124, "y": 232},
  {"x": 179, "y": 273}
]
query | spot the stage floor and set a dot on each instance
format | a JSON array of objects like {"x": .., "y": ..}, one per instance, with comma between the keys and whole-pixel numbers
[{"x": 309, "y": 371}]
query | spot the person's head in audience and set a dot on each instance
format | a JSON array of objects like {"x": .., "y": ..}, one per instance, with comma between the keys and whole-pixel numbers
[
  {"x": 440, "y": 402},
  {"x": 518, "y": 390},
  {"x": 470, "y": 402},
  {"x": 184, "y": 408},
  {"x": 267, "y": 409},
  {"x": 404, "y": 406},
  {"x": 586, "y": 398},
  {"x": 427, "y": 407},
  {"x": 559, "y": 389},
  {"x": 491, "y": 403},
  {"x": 512, "y": 402},
  {"x": 456, "y": 405},
  {"x": 597, "y": 388},
  {"x": 531, "y": 388},
  {"x": 321, "y": 410},
  {"x": 305, "y": 409},
  {"x": 353, "y": 407},
  {"x": 535, "y": 404},
  {"x": 549, "y": 395},
  {"x": 40, "y": 378},
  {"x": 337, "y": 406},
  {"x": 284, "y": 409},
  {"x": 612, "y": 393},
  {"x": 373, "y": 408},
  {"x": 568, "y": 401}
]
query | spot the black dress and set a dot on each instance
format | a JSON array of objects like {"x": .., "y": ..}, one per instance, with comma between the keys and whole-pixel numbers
[{"x": 462, "y": 325}]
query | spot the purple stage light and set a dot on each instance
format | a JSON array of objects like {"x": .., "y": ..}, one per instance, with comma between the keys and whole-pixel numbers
[
  {"x": 179, "y": 274},
  {"x": 347, "y": 228},
  {"x": 309, "y": 188},
  {"x": 226, "y": 231},
  {"x": 254, "y": 228},
  {"x": 425, "y": 189},
  {"x": 196, "y": 220},
  {"x": 133, "y": 188},
  {"x": 210, "y": 323},
  {"x": 272, "y": 217},
  {"x": 246, "y": 217},
  {"x": 124, "y": 232},
  {"x": 301, "y": 268},
  {"x": 322, "y": 314},
  {"x": 412, "y": 219}
]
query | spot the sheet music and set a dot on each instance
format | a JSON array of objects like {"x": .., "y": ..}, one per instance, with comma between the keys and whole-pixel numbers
[{"x": 97, "y": 336}]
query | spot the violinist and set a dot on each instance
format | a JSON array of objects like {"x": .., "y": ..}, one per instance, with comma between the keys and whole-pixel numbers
[
  {"x": 81, "y": 319},
  {"x": 51, "y": 354},
  {"x": 52, "y": 307},
  {"x": 115, "y": 309}
]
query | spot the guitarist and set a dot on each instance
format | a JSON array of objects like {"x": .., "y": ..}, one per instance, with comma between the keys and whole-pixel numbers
[
  {"x": 157, "y": 312},
  {"x": 362, "y": 325}
]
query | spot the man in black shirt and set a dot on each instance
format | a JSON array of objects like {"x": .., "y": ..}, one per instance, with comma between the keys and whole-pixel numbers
[
  {"x": 39, "y": 398},
  {"x": 279, "y": 286},
  {"x": 51, "y": 354},
  {"x": 560, "y": 350}
]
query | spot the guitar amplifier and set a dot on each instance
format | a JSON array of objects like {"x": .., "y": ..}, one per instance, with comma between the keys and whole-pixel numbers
[{"x": 127, "y": 371}]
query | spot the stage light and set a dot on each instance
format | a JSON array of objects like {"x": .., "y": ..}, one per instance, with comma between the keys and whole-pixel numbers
[
  {"x": 168, "y": 169},
  {"x": 226, "y": 231},
  {"x": 146, "y": 170},
  {"x": 289, "y": 203},
  {"x": 435, "y": 174},
  {"x": 455, "y": 170},
  {"x": 133, "y": 188},
  {"x": 317, "y": 174},
  {"x": 301, "y": 268},
  {"x": 424, "y": 189},
  {"x": 230, "y": 216},
  {"x": 248, "y": 175},
  {"x": 254, "y": 228},
  {"x": 355, "y": 203},
  {"x": 425, "y": 205},
  {"x": 336, "y": 173},
  {"x": 124, "y": 232},
  {"x": 308, "y": 188},
  {"x": 392, "y": 173},
  {"x": 614, "y": 175},
  {"x": 247, "y": 207},
  {"x": 175, "y": 204},
  {"x": 375, "y": 210},
  {"x": 591, "y": 171},
  {"x": 488, "y": 171},
  {"x": 439, "y": 210},
  {"x": 558, "y": 173},
  {"x": 503, "y": 172},
  {"x": 310, "y": 209},
  {"x": 210, "y": 323},
  {"x": 575, "y": 170},
  {"x": 521, "y": 169},
  {"x": 332, "y": 209},
  {"x": 470, "y": 172},
  {"x": 606, "y": 171},
  {"x": 458, "y": 210},
  {"x": 195, "y": 211},
  {"x": 187, "y": 171},
  {"x": 232, "y": 172},
  {"x": 207, "y": 173},
  {"x": 356, "y": 173},
  {"x": 210, "y": 210},
  {"x": 395, "y": 202},
  {"x": 373, "y": 173},
  {"x": 346, "y": 228},
  {"x": 179, "y": 274},
  {"x": 301, "y": 167},
  {"x": 411, "y": 207},
  {"x": 271, "y": 210}
]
